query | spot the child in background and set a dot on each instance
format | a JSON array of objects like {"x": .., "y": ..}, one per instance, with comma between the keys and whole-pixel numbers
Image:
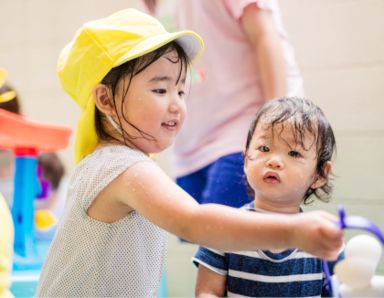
[
  {"x": 9, "y": 101},
  {"x": 287, "y": 160},
  {"x": 50, "y": 205},
  {"x": 52, "y": 166},
  {"x": 129, "y": 76}
]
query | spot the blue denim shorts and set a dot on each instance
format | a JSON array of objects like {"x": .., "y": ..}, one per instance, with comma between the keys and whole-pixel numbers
[{"x": 221, "y": 182}]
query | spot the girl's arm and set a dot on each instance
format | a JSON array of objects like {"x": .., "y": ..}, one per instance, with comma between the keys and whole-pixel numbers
[
  {"x": 260, "y": 28},
  {"x": 145, "y": 188},
  {"x": 210, "y": 283}
]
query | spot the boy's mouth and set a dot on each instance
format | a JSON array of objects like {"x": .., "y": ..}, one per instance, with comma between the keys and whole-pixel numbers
[{"x": 271, "y": 178}]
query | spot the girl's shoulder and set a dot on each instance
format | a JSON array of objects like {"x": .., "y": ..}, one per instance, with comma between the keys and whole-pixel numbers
[
  {"x": 108, "y": 152},
  {"x": 100, "y": 168}
]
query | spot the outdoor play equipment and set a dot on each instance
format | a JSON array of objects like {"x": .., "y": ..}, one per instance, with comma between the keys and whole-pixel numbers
[{"x": 27, "y": 139}]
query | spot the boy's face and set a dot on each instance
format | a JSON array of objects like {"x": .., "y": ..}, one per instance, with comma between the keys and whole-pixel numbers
[
  {"x": 155, "y": 104},
  {"x": 280, "y": 170}
]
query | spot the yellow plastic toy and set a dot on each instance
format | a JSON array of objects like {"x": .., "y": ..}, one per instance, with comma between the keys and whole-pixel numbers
[{"x": 44, "y": 219}]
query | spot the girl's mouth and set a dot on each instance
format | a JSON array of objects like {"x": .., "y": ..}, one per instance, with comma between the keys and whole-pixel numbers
[{"x": 171, "y": 125}]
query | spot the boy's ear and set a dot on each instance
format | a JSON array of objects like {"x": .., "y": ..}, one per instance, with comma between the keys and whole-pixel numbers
[
  {"x": 103, "y": 100},
  {"x": 320, "y": 180}
]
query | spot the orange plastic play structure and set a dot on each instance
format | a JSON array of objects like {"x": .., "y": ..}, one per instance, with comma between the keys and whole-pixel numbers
[{"x": 18, "y": 132}]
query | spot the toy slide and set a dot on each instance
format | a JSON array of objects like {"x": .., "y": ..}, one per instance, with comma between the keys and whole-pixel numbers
[{"x": 27, "y": 139}]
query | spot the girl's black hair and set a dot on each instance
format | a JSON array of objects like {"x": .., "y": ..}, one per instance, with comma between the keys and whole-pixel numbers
[
  {"x": 305, "y": 117},
  {"x": 129, "y": 70}
]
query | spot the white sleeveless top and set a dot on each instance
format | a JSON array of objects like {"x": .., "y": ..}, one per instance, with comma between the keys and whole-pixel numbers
[{"x": 92, "y": 258}]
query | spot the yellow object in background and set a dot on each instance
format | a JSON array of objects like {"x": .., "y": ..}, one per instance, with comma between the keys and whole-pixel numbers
[
  {"x": 9, "y": 95},
  {"x": 6, "y": 248},
  {"x": 44, "y": 219}
]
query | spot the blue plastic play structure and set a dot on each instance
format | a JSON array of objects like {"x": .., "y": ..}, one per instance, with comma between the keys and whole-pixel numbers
[{"x": 26, "y": 189}]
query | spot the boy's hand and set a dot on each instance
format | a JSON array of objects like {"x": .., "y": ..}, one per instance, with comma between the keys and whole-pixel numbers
[{"x": 317, "y": 232}]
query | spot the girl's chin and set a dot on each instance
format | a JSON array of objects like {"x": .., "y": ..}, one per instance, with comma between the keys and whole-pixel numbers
[{"x": 158, "y": 148}]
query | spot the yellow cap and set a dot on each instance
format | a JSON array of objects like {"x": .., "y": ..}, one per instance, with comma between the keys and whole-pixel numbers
[
  {"x": 103, "y": 44},
  {"x": 8, "y": 95}
]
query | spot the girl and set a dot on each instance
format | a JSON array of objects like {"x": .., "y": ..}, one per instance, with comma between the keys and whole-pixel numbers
[
  {"x": 129, "y": 76},
  {"x": 287, "y": 161}
]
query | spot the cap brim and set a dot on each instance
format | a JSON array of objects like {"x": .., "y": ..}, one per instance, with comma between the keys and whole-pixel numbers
[{"x": 191, "y": 43}]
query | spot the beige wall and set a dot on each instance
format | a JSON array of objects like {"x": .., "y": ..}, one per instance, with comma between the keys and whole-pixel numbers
[{"x": 340, "y": 49}]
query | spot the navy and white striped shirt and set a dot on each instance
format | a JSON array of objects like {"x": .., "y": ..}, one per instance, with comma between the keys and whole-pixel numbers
[{"x": 291, "y": 273}]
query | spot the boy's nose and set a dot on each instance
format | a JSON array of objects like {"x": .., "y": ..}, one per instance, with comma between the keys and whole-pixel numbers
[{"x": 275, "y": 162}]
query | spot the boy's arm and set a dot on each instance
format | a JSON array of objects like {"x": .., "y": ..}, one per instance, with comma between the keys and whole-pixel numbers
[
  {"x": 210, "y": 283},
  {"x": 259, "y": 26}
]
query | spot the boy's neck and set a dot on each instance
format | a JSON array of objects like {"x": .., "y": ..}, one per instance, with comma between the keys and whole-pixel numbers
[{"x": 274, "y": 208}]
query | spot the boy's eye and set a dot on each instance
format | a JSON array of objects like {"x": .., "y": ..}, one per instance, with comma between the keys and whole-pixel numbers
[
  {"x": 159, "y": 91},
  {"x": 264, "y": 148},
  {"x": 294, "y": 153}
]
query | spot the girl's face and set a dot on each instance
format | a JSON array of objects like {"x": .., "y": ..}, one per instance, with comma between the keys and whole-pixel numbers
[
  {"x": 155, "y": 104},
  {"x": 278, "y": 169}
]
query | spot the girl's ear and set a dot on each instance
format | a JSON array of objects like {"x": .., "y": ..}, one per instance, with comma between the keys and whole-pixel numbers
[
  {"x": 245, "y": 161},
  {"x": 103, "y": 100},
  {"x": 320, "y": 180}
]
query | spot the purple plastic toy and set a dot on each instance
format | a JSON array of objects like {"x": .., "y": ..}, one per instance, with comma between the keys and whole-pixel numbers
[{"x": 352, "y": 222}]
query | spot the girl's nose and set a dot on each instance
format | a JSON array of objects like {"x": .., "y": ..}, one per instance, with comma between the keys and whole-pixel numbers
[
  {"x": 175, "y": 104},
  {"x": 275, "y": 162},
  {"x": 174, "y": 107}
]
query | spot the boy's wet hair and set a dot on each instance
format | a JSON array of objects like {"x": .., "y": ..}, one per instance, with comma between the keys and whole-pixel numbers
[
  {"x": 305, "y": 117},
  {"x": 129, "y": 70}
]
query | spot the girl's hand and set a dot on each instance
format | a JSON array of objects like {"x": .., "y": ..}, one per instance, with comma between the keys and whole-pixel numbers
[{"x": 317, "y": 232}]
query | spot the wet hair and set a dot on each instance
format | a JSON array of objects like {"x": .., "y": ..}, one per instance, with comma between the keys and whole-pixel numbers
[
  {"x": 129, "y": 70},
  {"x": 306, "y": 118},
  {"x": 12, "y": 105}
]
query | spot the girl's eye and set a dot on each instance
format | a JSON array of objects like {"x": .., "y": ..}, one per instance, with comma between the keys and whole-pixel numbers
[
  {"x": 264, "y": 148},
  {"x": 181, "y": 93},
  {"x": 159, "y": 91},
  {"x": 294, "y": 154}
]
